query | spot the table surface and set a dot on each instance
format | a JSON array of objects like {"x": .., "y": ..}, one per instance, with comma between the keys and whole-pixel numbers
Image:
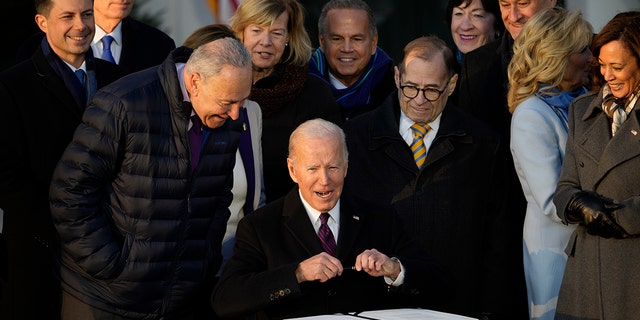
[{"x": 391, "y": 314}]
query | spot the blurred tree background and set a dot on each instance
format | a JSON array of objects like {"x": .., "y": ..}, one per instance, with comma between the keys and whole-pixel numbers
[{"x": 398, "y": 22}]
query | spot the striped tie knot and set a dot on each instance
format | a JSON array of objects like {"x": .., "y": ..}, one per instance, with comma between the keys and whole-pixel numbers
[{"x": 417, "y": 146}]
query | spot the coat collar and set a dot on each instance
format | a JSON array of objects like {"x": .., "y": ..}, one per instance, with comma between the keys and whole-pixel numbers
[
  {"x": 598, "y": 134},
  {"x": 385, "y": 133},
  {"x": 170, "y": 83}
]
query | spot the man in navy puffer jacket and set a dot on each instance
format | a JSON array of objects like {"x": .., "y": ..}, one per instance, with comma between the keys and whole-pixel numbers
[{"x": 140, "y": 222}]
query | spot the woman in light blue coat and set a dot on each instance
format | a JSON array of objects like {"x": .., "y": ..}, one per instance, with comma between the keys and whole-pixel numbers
[{"x": 550, "y": 67}]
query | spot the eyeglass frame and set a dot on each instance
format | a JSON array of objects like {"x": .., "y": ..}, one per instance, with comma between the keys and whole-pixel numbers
[{"x": 424, "y": 91}]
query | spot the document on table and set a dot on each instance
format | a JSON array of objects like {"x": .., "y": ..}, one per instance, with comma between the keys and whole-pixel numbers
[
  {"x": 410, "y": 314},
  {"x": 390, "y": 314}
]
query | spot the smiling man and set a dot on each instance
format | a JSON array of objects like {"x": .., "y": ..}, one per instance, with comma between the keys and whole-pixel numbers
[
  {"x": 349, "y": 60},
  {"x": 443, "y": 173},
  {"x": 483, "y": 75},
  {"x": 291, "y": 261},
  {"x": 140, "y": 196},
  {"x": 43, "y": 101}
]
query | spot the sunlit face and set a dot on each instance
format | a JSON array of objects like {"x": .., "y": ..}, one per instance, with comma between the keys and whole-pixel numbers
[
  {"x": 267, "y": 43},
  {"x": 472, "y": 26},
  {"x": 112, "y": 9},
  {"x": 619, "y": 68},
  {"x": 220, "y": 97},
  {"x": 424, "y": 74},
  {"x": 516, "y": 12},
  {"x": 348, "y": 46},
  {"x": 318, "y": 167},
  {"x": 578, "y": 71},
  {"x": 69, "y": 28}
]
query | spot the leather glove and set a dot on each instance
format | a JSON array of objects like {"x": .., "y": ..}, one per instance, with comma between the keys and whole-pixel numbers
[{"x": 594, "y": 211}]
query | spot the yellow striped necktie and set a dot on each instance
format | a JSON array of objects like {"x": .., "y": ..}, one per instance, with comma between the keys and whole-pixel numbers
[{"x": 417, "y": 146}]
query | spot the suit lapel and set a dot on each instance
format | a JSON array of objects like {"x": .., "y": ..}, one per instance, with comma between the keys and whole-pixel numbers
[
  {"x": 623, "y": 146},
  {"x": 449, "y": 130},
  {"x": 296, "y": 221},
  {"x": 350, "y": 225},
  {"x": 50, "y": 80}
]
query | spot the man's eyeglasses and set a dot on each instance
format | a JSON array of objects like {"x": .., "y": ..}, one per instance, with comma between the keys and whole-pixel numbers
[{"x": 431, "y": 94}]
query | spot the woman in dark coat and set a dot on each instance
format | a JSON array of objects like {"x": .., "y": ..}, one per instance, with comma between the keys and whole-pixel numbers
[{"x": 599, "y": 188}]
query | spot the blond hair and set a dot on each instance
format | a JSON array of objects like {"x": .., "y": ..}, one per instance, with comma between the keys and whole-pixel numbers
[
  {"x": 542, "y": 50},
  {"x": 265, "y": 13}
]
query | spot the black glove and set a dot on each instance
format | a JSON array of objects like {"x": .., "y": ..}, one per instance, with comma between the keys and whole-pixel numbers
[{"x": 594, "y": 211}]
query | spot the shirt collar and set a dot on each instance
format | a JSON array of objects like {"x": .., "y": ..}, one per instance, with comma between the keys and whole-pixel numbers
[
  {"x": 405, "y": 126},
  {"x": 314, "y": 215},
  {"x": 116, "y": 34}
]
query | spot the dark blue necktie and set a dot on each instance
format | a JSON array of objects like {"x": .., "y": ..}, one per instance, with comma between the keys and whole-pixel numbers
[
  {"x": 81, "y": 76},
  {"x": 106, "y": 49}
]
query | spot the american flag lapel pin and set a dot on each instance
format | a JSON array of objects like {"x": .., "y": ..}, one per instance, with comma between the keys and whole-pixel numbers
[
  {"x": 356, "y": 218},
  {"x": 634, "y": 132}
]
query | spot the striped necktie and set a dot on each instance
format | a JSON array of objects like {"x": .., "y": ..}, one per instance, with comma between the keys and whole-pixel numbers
[
  {"x": 417, "y": 146},
  {"x": 326, "y": 236}
]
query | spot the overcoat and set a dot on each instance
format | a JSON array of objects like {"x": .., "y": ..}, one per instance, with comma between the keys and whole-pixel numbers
[
  {"x": 601, "y": 279},
  {"x": 456, "y": 205},
  {"x": 38, "y": 116}
]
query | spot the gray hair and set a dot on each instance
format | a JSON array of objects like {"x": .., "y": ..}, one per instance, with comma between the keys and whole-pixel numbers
[
  {"x": 316, "y": 129},
  {"x": 208, "y": 59},
  {"x": 346, "y": 4}
]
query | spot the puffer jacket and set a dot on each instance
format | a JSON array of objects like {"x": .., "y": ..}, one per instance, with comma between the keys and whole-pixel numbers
[{"x": 140, "y": 233}]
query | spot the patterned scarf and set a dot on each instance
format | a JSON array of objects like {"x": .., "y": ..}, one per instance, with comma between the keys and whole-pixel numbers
[
  {"x": 358, "y": 94},
  {"x": 617, "y": 109},
  {"x": 279, "y": 88}
]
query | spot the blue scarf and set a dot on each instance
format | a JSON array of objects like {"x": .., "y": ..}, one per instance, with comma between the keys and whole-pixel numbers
[
  {"x": 358, "y": 94},
  {"x": 559, "y": 102}
]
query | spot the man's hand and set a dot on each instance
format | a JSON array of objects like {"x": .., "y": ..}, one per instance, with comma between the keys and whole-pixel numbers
[
  {"x": 321, "y": 267},
  {"x": 377, "y": 264}
]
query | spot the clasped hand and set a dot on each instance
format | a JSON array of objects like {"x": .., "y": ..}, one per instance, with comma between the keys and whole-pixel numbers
[
  {"x": 596, "y": 213},
  {"x": 323, "y": 266}
]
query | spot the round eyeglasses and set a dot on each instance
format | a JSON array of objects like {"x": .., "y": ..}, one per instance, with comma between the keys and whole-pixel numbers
[{"x": 430, "y": 94}]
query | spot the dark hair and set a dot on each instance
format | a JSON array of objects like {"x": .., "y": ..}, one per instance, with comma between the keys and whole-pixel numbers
[
  {"x": 490, "y": 6},
  {"x": 346, "y": 4},
  {"x": 43, "y": 6},
  {"x": 624, "y": 27},
  {"x": 427, "y": 48},
  {"x": 208, "y": 33}
]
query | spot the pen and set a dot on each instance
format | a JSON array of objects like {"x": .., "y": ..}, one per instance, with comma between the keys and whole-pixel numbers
[{"x": 350, "y": 268}]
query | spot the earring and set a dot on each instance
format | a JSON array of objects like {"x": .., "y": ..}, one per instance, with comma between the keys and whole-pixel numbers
[
  {"x": 286, "y": 44},
  {"x": 497, "y": 35}
]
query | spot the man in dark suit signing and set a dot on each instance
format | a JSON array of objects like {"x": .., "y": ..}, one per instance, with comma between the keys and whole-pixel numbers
[{"x": 280, "y": 267}]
